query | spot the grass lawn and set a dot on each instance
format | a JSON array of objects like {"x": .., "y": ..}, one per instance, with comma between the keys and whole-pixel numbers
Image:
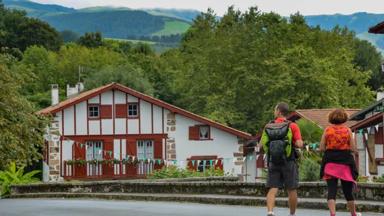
[{"x": 173, "y": 27}]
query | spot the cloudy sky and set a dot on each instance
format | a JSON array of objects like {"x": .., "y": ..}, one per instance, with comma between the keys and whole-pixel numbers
[{"x": 283, "y": 7}]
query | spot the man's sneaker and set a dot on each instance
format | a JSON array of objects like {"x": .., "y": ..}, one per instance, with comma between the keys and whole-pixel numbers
[
  {"x": 358, "y": 214},
  {"x": 270, "y": 214}
]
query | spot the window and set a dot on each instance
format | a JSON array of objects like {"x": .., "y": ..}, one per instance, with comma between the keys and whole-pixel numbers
[
  {"x": 133, "y": 110},
  {"x": 93, "y": 111},
  {"x": 94, "y": 150},
  {"x": 204, "y": 165},
  {"x": 144, "y": 149},
  {"x": 200, "y": 132},
  {"x": 204, "y": 132}
]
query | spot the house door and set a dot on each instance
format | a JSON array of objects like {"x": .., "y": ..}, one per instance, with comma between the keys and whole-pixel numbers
[
  {"x": 94, "y": 152},
  {"x": 145, "y": 156}
]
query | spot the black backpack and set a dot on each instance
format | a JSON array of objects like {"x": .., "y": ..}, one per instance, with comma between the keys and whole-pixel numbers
[{"x": 279, "y": 142}]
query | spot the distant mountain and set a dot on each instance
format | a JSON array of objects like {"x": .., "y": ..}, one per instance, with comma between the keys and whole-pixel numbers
[
  {"x": 113, "y": 22},
  {"x": 121, "y": 22},
  {"x": 35, "y": 9},
  {"x": 358, "y": 22}
]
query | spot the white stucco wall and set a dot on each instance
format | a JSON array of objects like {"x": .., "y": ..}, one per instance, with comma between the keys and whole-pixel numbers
[
  {"x": 81, "y": 118},
  {"x": 120, "y": 97},
  {"x": 145, "y": 117},
  {"x": 107, "y": 126},
  {"x": 66, "y": 152},
  {"x": 223, "y": 144},
  {"x": 250, "y": 168},
  {"x": 69, "y": 121},
  {"x": 157, "y": 119},
  {"x": 120, "y": 126},
  {"x": 106, "y": 98},
  {"x": 94, "y": 127},
  {"x": 133, "y": 126}
]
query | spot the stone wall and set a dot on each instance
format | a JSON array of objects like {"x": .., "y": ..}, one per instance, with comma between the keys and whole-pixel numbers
[
  {"x": 170, "y": 142},
  {"x": 53, "y": 160},
  {"x": 374, "y": 192}
]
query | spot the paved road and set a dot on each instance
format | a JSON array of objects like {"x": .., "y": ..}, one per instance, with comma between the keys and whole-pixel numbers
[{"x": 62, "y": 207}]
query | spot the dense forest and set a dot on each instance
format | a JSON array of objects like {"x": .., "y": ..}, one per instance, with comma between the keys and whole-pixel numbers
[{"x": 232, "y": 70}]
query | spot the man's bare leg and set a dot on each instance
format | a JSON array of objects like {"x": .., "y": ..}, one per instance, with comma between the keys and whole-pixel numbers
[
  {"x": 292, "y": 201},
  {"x": 271, "y": 196}
]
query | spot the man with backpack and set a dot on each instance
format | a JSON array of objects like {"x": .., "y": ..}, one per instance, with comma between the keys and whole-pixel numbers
[{"x": 279, "y": 139}]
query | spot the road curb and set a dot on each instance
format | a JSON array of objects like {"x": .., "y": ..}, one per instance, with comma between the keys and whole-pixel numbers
[{"x": 362, "y": 206}]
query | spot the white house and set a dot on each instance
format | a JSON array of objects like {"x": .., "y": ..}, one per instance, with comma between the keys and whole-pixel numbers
[{"x": 115, "y": 132}]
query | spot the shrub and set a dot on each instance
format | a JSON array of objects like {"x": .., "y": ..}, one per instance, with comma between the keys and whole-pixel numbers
[
  {"x": 309, "y": 170},
  {"x": 176, "y": 172},
  {"x": 14, "y": 176}
]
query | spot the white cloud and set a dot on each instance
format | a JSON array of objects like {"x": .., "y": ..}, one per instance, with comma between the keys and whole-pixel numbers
[{"x": 283, "y": 7}]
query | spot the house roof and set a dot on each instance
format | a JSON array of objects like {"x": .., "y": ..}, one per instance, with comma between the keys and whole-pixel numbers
[
  {"x": 361, "y": 114},
  {"x": 368, "y": 122},
  {"x": 319, "y": 116},
  {"x": 92, "y": 93},
  {"x": 377, "y": 29}
]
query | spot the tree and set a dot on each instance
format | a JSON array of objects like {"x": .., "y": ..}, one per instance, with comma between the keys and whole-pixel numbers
[
  {"x": 126, "y": 74},
  {"x": 236, "y": 69},
  {"x": 19, "y": 31},
  {"x": 20, "y": 129},
  {"x": 91, "y": 40},
  {"x": 69, "y": 36}
]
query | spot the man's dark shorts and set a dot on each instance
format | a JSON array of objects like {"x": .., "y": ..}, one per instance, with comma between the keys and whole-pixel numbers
[{"x": 283, "y": 176}]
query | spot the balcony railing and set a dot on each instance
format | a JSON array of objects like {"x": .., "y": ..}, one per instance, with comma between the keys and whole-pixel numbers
[{"x": 108, "y": 169}]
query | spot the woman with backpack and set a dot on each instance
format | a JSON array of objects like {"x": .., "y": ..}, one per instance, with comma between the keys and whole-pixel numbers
[{"x": 338, "y": 162}]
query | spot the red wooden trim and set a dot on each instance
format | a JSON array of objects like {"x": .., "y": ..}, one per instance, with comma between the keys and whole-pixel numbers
[
  {"x": 139, "y": 115},
  {"x": 121, "y": 153},
  {"x": 127, "y": 115},
  {"x": 162, "y": 119},
  {"x": 87, "y": 118},
  {"x": 81, "y": 138},
  {"x": 61, "y": 158},
  {"x": 62, "y": 122},
  {"x": 74, "y": 119},
  {"x": 113, "y": 111},
  {"x": 203, "y": 157},
  {"x": 152, "y": 117},
  {"x": 172, "y": 108},
  {"x": 101, "y": 130}
]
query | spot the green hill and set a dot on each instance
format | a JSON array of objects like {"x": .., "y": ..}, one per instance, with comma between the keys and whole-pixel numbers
[
  {"x": 113, "y": 22},
  {"x": 121, "y": 22}
]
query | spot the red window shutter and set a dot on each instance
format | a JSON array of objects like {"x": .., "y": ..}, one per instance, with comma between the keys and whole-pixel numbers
[
  {"x": 194, "y": 133},
  {"x": 78, "y": 151},
  {"x": 158, "y": 149},
  {"x": 106, "y": 111},
  {"x": 121, "y": 110},
  {"x": 219, "y": 164},
  {"x": 192, "y": 165},
  {"x": 108, "y": 150}
]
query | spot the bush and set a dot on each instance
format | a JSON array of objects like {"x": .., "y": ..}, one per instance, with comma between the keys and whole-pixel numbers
[
  {"x": 176, "y": 172},
  {"x": 309, "y": 170},
  {"x": 14, "y": 176},
  {"x": 379, "y": 179}
]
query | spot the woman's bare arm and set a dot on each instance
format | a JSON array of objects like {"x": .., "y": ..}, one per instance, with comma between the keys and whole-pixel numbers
[
  {"x": 322, "y": 142},
  {"x": 352, "y": 142}
]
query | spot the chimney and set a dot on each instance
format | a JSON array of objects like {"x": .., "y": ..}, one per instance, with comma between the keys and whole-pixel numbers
[
  {"x": 379, "y": 95},
  {"x": 73, "y": 91},
  {"x": 54, "y": 94}
]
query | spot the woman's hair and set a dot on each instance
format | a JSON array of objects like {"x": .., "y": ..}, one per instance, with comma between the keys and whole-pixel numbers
[{"x": 338, "y": 116}]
